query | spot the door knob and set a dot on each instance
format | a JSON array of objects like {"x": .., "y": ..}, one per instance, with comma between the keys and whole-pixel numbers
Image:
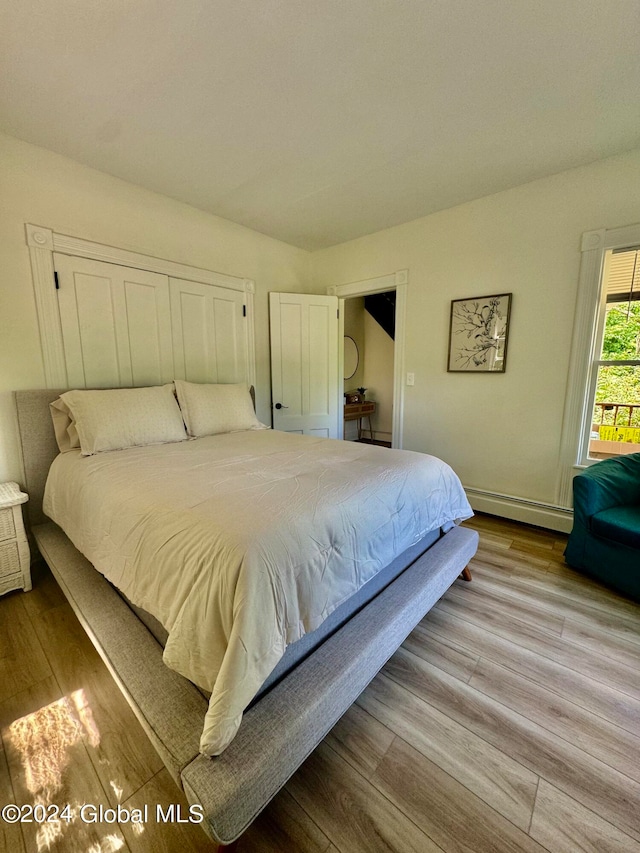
[{"x": 280, "y": 406}]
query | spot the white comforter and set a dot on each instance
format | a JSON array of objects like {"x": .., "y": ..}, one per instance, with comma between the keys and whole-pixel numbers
[{"x": 241, "y": 543}]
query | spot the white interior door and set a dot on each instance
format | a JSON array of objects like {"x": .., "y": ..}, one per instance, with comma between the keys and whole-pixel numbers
[
  {"x": 116, "y": 324},
  {"x": 209, "y": 332},
  {"x": 304, "y": 363}
]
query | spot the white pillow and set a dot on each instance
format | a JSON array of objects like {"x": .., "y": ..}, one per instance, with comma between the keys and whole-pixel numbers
[
  {"x": 125, "y": 417},
  {"x": 64, "y": 426},
  {"x": 214, "y": 409}
]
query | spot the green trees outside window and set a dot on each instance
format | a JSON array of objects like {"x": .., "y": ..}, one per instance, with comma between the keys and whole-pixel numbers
[{"x": 620, "y": 383}]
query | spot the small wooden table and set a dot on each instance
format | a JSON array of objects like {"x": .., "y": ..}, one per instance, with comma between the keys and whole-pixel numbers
[{"x": 358, "y": 411}]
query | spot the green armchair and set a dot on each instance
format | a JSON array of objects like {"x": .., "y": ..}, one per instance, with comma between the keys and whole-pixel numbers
[{"x": 605, "y": 540}]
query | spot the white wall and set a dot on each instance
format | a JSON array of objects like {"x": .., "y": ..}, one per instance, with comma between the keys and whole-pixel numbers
[
  {"x": 45, "y": 189},
  {"x": 501, "y": 432}
]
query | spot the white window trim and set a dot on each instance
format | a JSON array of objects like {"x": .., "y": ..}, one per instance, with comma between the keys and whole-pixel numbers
[
  {"x": 43, "y": 242},
  {"x": 586, "y": 329}
]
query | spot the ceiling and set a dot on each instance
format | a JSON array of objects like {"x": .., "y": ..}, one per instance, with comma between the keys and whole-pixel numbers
[{"x": 318, "y": 122}]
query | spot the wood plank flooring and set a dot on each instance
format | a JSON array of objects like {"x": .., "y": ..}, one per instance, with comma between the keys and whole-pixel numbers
[{"x": 508, "y": 721}]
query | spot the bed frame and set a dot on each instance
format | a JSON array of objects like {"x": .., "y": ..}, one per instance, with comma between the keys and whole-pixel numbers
[{"x": 283, "y": 727}]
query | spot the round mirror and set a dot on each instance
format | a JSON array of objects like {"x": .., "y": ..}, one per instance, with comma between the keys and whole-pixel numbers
[{"x": 350, "y": 357}]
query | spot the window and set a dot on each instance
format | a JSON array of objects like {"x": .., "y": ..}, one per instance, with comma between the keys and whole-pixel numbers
[
  {"x": 614, "y": 378},
  {"x": 602, "y": 356}
]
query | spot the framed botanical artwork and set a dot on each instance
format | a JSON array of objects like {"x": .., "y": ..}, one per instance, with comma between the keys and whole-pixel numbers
[{"x": 478, "y": 334}]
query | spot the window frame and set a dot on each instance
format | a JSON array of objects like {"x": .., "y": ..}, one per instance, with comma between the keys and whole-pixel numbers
[
  {"x": 586, "y": 349},
  {"x": 596, "y": 362}
]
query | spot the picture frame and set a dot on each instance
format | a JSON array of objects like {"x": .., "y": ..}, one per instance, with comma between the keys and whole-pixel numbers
[{"x": 479, "y": 333}]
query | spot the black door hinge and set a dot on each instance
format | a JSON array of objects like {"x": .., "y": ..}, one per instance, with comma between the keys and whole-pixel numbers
[
  {"x": 244, "y": 310},
  {"x": 55, "y": 278}
]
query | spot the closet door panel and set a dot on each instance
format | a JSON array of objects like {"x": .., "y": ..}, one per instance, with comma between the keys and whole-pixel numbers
[
  {"x": 148, "y": 314},
  {"x": 88, "y": 324},
  {"x": 116, "y": 324},
  {"x": 209, "y": 332},
  {"x": 191, "y": 350},
  {"x": 228, "y": 325}
]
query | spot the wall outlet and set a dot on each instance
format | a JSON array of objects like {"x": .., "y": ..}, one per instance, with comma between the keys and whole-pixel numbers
[{"x": 411, "y": 379}]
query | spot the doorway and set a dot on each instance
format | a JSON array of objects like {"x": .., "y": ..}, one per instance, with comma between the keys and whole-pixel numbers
[
  {"x": 369, "y": 332},
  {"x": 399, "y": 283}
]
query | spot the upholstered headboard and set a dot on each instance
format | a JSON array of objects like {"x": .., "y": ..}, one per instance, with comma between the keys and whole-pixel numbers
[{"x": 38, "y": 442}]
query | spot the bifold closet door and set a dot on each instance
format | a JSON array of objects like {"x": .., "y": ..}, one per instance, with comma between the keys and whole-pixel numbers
[
  {"x": 209, "y": 332},
  {"x": 116, "y": 324}
]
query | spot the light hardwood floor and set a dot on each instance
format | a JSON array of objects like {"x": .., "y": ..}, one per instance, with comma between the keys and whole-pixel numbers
[{"x": 508, "y": 721}]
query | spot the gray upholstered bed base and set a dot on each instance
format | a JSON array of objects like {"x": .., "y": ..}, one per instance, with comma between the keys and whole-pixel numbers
[{"x": 280, "y": 730}]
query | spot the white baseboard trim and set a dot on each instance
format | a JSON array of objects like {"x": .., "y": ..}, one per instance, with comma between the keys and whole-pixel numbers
[{"x": 519, "y": 509}]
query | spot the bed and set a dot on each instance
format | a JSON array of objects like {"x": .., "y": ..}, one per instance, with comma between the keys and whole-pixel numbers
[{"x": 319, "y": 659}]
